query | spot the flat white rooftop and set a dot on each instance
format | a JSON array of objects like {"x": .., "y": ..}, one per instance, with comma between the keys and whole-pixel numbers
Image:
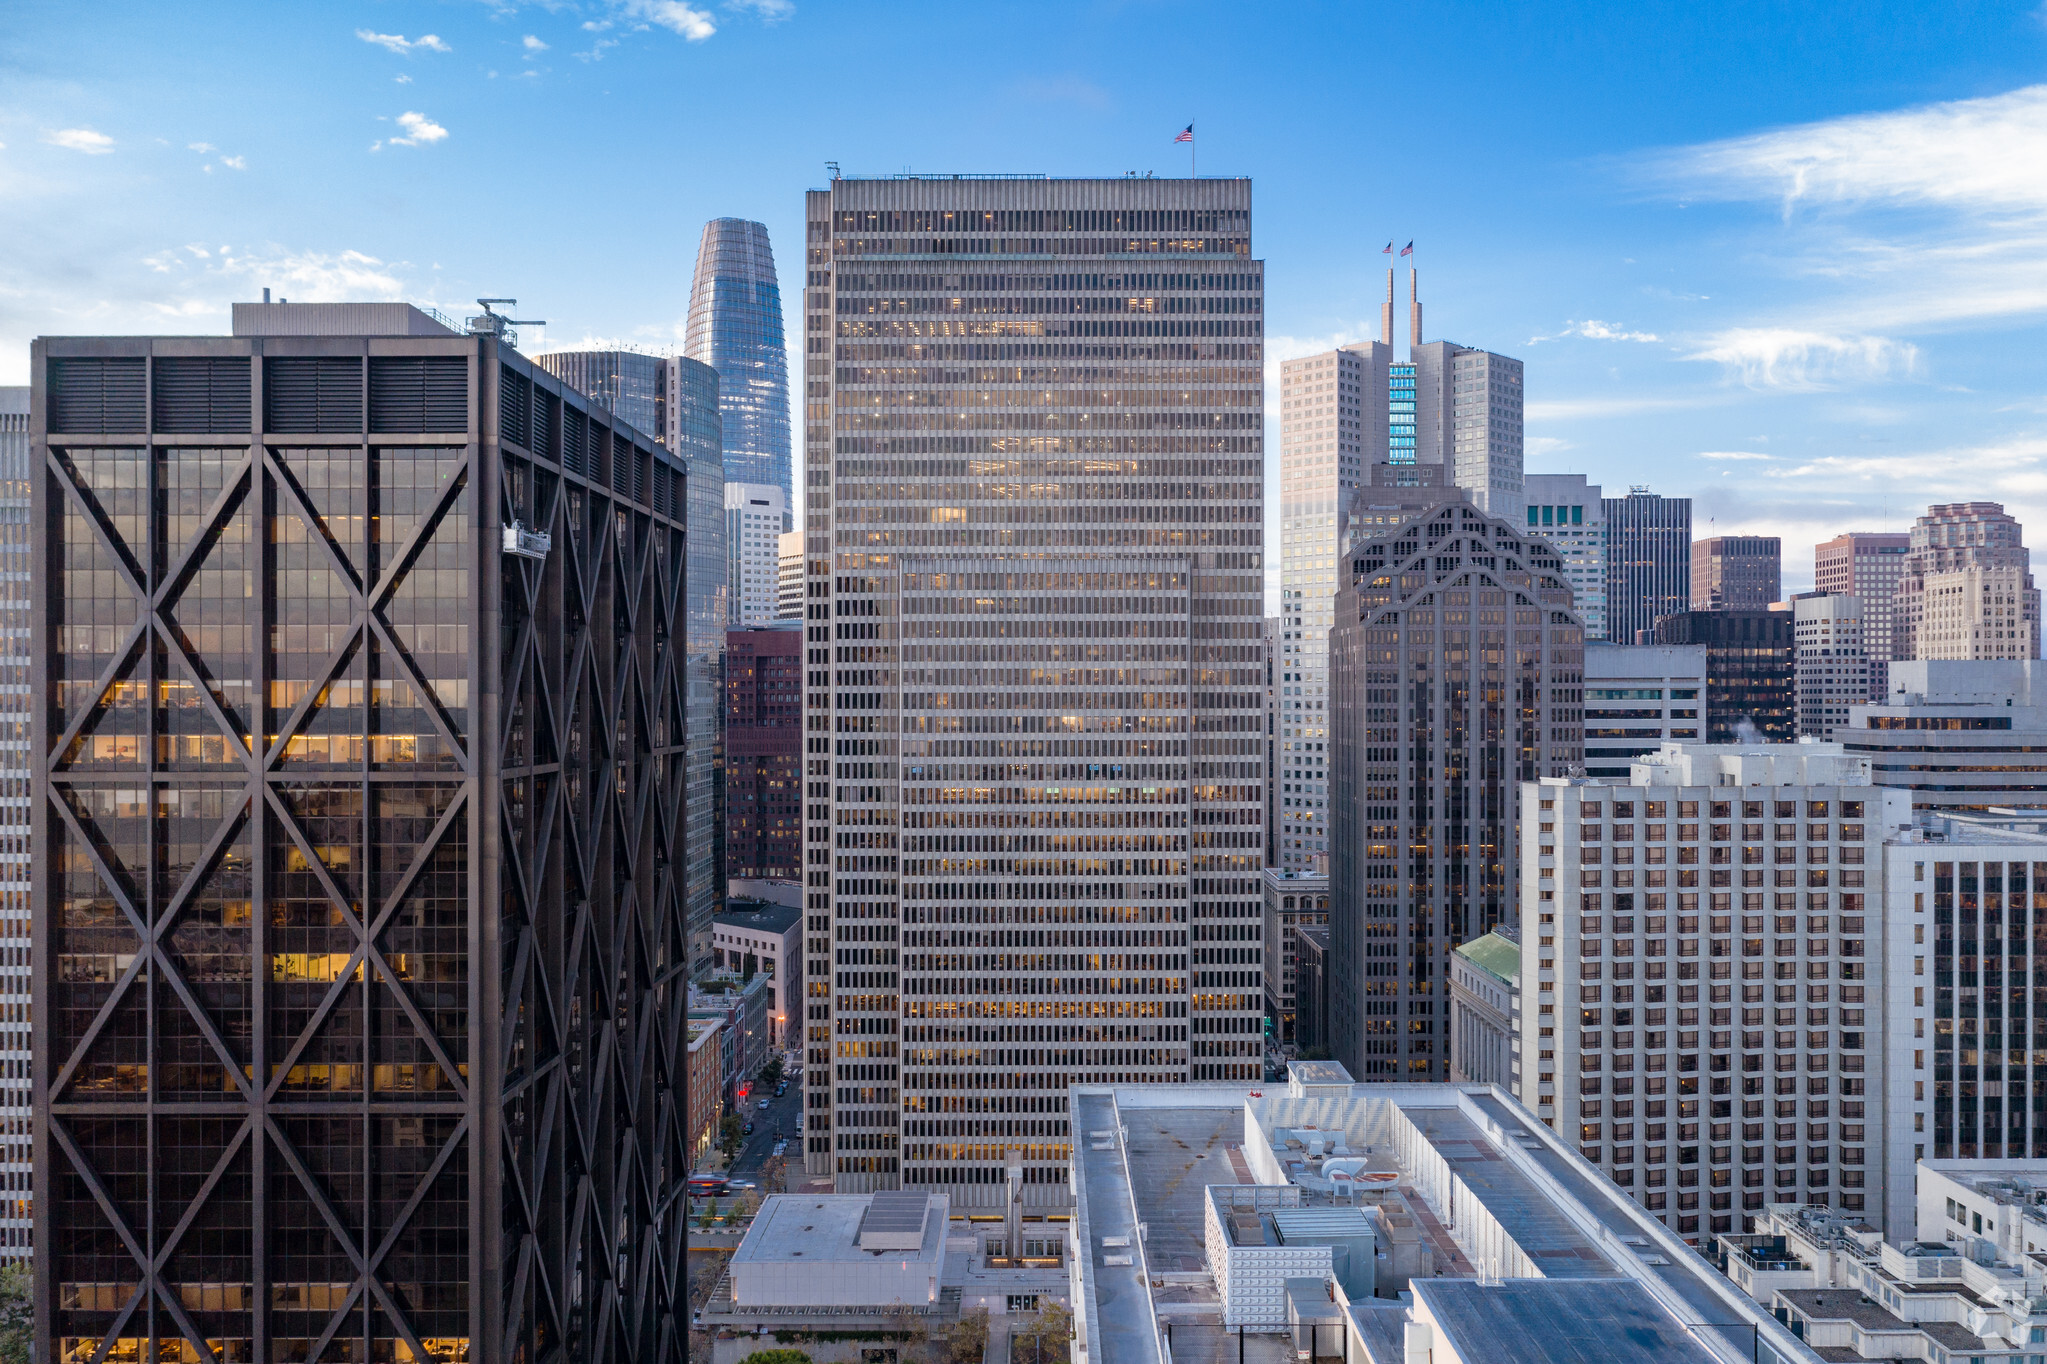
[{"x": 1588, "y": 1274}]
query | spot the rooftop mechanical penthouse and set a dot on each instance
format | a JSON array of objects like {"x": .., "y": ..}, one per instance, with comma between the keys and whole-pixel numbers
[{"x": 357, "y": 763}]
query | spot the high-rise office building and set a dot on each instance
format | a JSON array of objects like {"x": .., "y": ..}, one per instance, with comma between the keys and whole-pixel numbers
[
  {"x": 735, "y": 327},
  {"x": 1569, "y": 512},
  {"x": 1832, "y": 667},
  {"x": 1468, "y": 418},
  {"x": 1637, "y": 697},
  {"x": 1736, "y": 572},
  {"x": 1963, "y": 735},
  {"x": 1333, "y": 425},
  {"x": 764, "y": 753},
  {"x": 1869, "y": 565},
  {"x": 1648, "y": 562},
  {"x": 1035, "y": 755},
  {"x": 1456, "y": 668},
  {"x": 789, "y": 566},
  {"x": 1272, "y": 633},
  {"x": 1967, "y": 591},
  {"x": 1292, "y": 900},
  {"x": 1751, "y": 672},
  {"x": 753, "y": 551},
  {"x": 677, "y": 400},
  {"x": 350, "y": 777},
  {"x": 632, "y": 384},
  {"x": 1968, "y": 1017},
  {"x": 16, "y": 1111},
  {"x": 1708, "y": 1015}
]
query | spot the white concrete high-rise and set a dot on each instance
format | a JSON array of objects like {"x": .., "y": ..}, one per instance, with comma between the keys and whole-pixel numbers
[
  {"x": 1568, "y": 511},
  {"x": 753, "y": 534},
  {"x": 1708, "y": 1017},
  {"x": 1333, "y": 426},
  {"x": 789, "y": 565},
  {"x": 1035, "y": 754},
  {"x": 1833, "y": 666},
  {"x": 1869, "y": 565}
]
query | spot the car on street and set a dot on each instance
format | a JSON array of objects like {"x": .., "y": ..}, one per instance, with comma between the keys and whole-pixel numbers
[
  {"x": 707, "y": 1186},
  {"x": 780, "y": 1147},
  {"x": 764, "y": 1104}
]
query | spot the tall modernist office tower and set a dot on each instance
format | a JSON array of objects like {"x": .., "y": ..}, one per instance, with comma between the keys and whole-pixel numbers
[
  {"x": 1034, "y": 752},
  {"x": 676, "y": 402},
  {"x": 15, "y": 1052},
  {"x": 1868, "y": 565},
  {"x": 754, "y": 514},
  {"x": 1467, "y": 417},
  {"x": 1648, "y": 562},
  {"x": 1456, "y": 668},
  {"x": 1828, "y": 630},
  {"x": 1568, "y": 511},
  {"x": 1333, "y": 426},
  {"x": 354, "y": 1037},
  {"x": 1968, "y": 587},
  {"x": 735, "y": 327},
  {"x": 1736, "y": 572}
]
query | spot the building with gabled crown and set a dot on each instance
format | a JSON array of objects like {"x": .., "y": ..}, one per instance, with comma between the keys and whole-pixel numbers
[{"x": 1457, "y": 675}]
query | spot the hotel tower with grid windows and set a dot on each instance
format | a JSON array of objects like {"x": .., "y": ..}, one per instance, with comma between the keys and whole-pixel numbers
[
  {"x": 355, "y": 1012},
  {"x": 1033, "y": 751}
]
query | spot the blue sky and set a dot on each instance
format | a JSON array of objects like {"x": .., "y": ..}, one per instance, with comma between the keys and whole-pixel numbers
[{"x": 1788, "y": 259}]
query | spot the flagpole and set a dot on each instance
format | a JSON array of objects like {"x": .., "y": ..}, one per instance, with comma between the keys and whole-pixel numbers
[{"x": 1191, "y": 155}]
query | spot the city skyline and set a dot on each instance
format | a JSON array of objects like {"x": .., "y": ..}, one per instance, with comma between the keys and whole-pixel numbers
[{"x": 1671, "y": 287}]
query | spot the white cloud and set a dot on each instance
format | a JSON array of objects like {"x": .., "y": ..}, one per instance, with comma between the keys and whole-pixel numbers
[
  {"x": 1575, "y": 409},
  {"x": 419, "y": 132},
  {"x": 400, "y": 44},
  {"x": 80, "y": 140},
  {"x": 533, "y": 44},
  {"x": 770, "y": 11},
  {"x": 675, "y": 16},
  {"x": 402, "y": 80},
  {"x": 1980, "y": 153},
  {"x": 1931, "y": 216},
  {"x": 1789, "y": 358},
  {"x": 1595, "y": 330},
  {"x": 235, "y": 162},
  {"x": 1592, "y": 329},
  {"x": 201, "y": 147},
  {"x": 1733, "y": 454}
]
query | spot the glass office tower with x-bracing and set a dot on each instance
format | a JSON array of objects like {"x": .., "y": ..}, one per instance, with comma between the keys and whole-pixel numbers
[{"x": 363, "y": 850}]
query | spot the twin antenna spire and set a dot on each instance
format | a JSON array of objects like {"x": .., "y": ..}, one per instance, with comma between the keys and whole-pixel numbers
[{"x": 1414, "y": 310}]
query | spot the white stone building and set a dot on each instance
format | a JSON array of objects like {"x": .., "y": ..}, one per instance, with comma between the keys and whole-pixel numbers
[{"x": 1707, "y": 983}]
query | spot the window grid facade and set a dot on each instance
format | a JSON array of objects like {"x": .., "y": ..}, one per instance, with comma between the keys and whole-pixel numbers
[
  {"x": 1648, "y": 562},
  {"x": 1709, "y": 990},
  {"x": 1458, "y": 669},
  {"x": 1968, "y": 586},
  {"x": 1869, "y": 565},
  {"x": 1568, "y": 511},
  {"x": 764, "y": 754},
  {"x": 1034, "y": 751},
  {"x": 16, "y": 1054},
  {"x": 1334, "y": 419},
  {"x": 754, "y": 514},
  {"x": 1833, "y": 667},
  {"x": 1293, "y": 900}
]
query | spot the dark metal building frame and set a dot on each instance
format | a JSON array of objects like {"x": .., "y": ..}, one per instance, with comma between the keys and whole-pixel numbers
[{"x": 486, "y": 1169}]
